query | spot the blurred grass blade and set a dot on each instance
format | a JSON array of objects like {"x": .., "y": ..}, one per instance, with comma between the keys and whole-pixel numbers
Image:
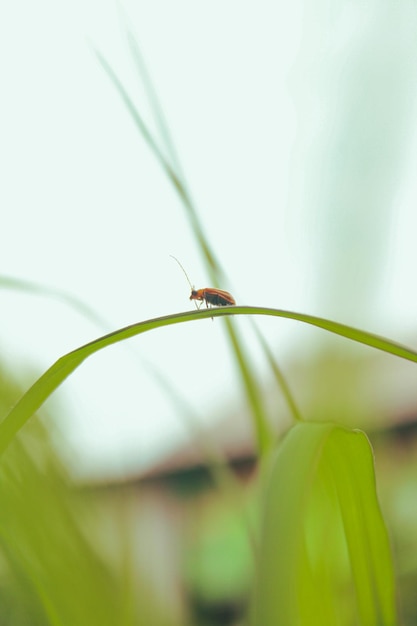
[
  {"x": 17, "y": 284},
  {"x": 168, "y": 168},
  {"x": 264, "y": 435},
  {"x": 137, "y": 118},
  {"x": 61, "y": 369},
  {"x": 213, "y": 457},
  {"x": 350, "y": 456},
  {"x": 248, "y": 377},
  {"x": 263, "y": 431},
  {"x": 323, "y": 476},
  {"x": 56, "y": 566},
  {"x": 279, "y": 377},
  {"x": 150, "y": 90},
  {"x": 276, "y": 598}
]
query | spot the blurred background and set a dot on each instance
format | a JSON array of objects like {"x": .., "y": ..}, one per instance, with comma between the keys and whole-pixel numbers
[{"x": 296, "y": 129}]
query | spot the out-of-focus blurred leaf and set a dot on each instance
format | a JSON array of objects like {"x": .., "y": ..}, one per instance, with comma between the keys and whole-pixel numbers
[
  {"x": 60, "y": 370},
  {"x": 58, "y": 576},
  {"x": 349, "y": 455},
  {"x": 56, "y": 565},
  {"x": 30, "y": 287},
  {"x": 324, "y": 554}
]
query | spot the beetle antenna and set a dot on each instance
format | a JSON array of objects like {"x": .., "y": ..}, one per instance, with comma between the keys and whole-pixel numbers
[{"x": 185, "y": 273}]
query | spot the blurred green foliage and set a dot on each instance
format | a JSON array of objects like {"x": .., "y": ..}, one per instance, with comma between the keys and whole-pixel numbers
[
  {"x": 52, "y": 570},
  {"x": 323, "y": 474}
]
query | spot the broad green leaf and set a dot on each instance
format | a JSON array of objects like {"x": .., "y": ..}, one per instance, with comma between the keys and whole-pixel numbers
[
  {"x": 58, "y": 372},
  {"x": 350, "y": 455},
  {"x": 324, "y": 553}
]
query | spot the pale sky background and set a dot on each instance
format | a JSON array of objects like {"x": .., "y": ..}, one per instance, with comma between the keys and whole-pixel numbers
[{"x": 265, "y": 101}]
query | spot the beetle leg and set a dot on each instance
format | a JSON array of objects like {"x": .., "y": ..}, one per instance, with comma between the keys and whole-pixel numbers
[{"x": 209, "y": 307}]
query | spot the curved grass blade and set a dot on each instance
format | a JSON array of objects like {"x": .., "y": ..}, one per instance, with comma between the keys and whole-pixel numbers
[
  {"x": 323, "y": 476},
  {"x": 280, "y": 566},
  {"x": 350, "y": 456},
  {"x": 61, "y": 369}
]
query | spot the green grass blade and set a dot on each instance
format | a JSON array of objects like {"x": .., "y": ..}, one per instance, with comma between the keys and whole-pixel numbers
[
  {"x": 355, "y": 334},
  {"x": 167, "y": 167},
  {"x": 323, "y": 476},
  {"x": 60, "y": 370},
  {"x": 279, "y": 377},
  {"x": 264, "y": 435},
  {"x": 151, "y": 93},
  {"x": 280, "y": 557},
  {"x": 134, "y": 113},
  {"x": 213, "y": 457},
  {"x": 351, "y": 455}
]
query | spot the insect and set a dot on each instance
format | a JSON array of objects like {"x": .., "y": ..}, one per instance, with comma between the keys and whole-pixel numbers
[
  {"x": 209, "y": 295},
  {"x": 214, "y": 297}
]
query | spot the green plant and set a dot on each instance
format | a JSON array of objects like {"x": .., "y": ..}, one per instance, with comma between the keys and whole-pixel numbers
[
  {"x": 322, "y": 555},
  {"x": 320, "y": 472}
]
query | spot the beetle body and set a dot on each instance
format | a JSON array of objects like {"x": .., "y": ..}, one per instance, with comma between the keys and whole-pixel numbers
[{"x": 212, "y": 297}]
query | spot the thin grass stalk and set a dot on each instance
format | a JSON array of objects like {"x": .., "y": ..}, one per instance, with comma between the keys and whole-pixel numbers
[
  {"x": 279, "y": 377},
  {"x": 251, "y": 386}
]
